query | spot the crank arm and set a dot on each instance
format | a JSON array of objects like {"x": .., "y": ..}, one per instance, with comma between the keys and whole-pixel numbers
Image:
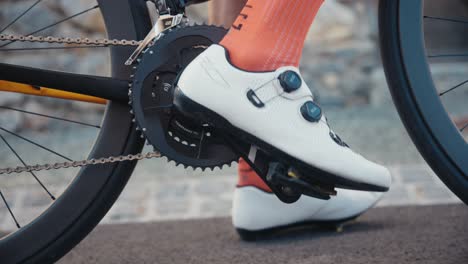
[{"x": 164, "y": 23}]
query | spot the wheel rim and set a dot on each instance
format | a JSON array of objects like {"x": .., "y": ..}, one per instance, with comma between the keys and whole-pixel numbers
[
  {"x": 68, "y": 208},
  {"x": 425, "y": 94}
]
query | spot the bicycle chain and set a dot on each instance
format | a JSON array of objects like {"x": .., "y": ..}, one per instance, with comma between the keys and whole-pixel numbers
[
  {"x": 78, "y": 41},
  {"x": 82, "y": 163}
]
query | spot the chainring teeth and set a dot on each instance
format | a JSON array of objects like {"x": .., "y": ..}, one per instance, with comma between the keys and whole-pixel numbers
[{"x": 186, "y": 141}]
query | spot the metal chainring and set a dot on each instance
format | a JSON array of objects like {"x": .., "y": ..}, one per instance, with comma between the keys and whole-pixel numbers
[{"x": 176, "y": 137}]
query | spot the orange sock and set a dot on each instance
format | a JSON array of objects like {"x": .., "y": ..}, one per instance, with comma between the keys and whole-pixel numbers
[
  {"x": 248, "y": 177},
  {"x": 269, "y": 34}
]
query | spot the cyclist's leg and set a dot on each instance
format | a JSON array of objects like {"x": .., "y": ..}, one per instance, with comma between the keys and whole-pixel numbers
[
  {"x": 255, "y": 207},
  {"x": 269, "y": 34},
  {"x": 224, "y": 12}
]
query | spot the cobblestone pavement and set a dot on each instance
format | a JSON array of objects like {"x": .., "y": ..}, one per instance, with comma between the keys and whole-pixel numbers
[{"x": 209, "y": 195}]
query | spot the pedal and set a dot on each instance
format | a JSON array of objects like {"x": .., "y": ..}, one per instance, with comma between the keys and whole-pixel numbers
[
  {"x": 287, "y": 183},
  {"x": 291, "y": 181}
]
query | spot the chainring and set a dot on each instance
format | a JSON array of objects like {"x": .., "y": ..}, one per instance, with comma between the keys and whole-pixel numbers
[{"x": 176, "y": 137}]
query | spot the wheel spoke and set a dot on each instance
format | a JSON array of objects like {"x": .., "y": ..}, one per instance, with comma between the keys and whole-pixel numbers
[
  {"x": 48, "y": 116},
  {"x": 448, "y": 55},
  {"x": 20, "y": 16},
  {"x": 55, "y": 24},
  {"x": 36, "y": 144},
  {"x": 54, "y": 48},
  {"x": 9, "y": 210},
  {"x": 453, "y": 88},
  {"x": 454, "y": 20},
  {"x": 464, "y": 127},
  {"x": 26, "y": 165}
]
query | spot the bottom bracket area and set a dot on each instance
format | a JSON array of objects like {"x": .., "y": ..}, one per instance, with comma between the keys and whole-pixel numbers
[{"x": 176, "y": 136}]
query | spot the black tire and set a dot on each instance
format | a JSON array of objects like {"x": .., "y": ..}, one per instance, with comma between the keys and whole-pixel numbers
[
  {"x": 407, "y": 71},
  {"x": 91, "y": 194}
]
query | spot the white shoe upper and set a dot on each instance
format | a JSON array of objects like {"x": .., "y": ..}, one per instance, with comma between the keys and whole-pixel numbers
[
  {"x": 256, "y": 210},
  {"x": 213, "y": 82}
]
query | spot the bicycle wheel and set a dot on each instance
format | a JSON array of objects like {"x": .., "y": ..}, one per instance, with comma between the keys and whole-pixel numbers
[
  {"x": 95, "y": 188},
  {"x": 410, "y": 31}
]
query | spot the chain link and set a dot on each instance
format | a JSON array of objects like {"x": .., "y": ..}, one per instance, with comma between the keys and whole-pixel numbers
[
  {"x": 82, "y": 163},
  {"x": 77, "y": 41}
]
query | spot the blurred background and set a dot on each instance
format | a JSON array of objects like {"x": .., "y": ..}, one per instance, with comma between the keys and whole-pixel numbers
[{"x": 341, "y": 63}]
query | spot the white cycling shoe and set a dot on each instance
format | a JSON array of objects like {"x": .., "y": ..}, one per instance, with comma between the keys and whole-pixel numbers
[
  {"x": 257, "y": 212},
  {"x": 276, "y": 112}
]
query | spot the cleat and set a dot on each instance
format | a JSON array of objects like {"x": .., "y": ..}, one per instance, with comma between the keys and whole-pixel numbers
[
  {"x": 339, "y": 228},
  {"x": 276, "y": 112}
]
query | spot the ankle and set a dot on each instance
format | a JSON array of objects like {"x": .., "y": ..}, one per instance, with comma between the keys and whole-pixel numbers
[
  {"x": 255, "y": 60},
  {"x": 248, "y": 177}
]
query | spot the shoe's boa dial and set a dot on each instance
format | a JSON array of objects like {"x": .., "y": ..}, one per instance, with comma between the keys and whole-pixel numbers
[{"x": 151, "y": 97}]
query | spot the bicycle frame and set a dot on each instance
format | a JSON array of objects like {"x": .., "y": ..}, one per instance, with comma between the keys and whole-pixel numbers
[
  {"x": 6, "y": 86},
  {"x": 25, "y": 80}
]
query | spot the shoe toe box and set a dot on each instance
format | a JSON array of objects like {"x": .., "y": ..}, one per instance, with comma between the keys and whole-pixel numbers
[{"x": 362, "y": 170}]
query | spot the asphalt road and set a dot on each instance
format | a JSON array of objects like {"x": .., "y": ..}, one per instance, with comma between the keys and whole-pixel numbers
[{"x": 432, "y": 234}]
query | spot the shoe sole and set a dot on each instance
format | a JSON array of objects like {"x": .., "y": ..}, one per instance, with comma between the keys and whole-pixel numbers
[
  {"x": 194, "y": 110},
  {"x": 335, "y": 226},
  {"x": 273, "y": 229}
]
